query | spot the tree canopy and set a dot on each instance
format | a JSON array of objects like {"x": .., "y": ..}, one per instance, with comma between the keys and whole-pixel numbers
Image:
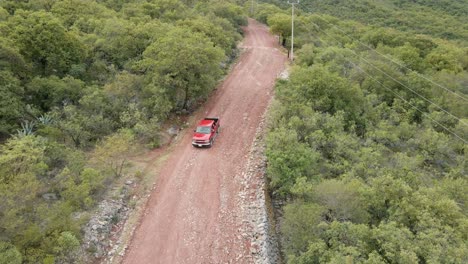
[
  {"x": 82, "y": 83},
  {"x": 367, "y": 140}
]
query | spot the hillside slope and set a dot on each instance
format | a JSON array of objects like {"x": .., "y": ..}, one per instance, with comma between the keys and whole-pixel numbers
[
  {"x": 368, "y": 141},
  {"x": 444, "y": 19}
]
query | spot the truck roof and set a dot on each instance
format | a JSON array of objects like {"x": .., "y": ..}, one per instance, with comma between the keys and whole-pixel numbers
[{"x": 206, "y": 122}]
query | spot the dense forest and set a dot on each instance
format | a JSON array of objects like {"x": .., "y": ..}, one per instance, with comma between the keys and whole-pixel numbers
[
  {"x": 438, "y": 18},
  {"x": 367, "y": 141},
  {"x": 81, "y": 83}
]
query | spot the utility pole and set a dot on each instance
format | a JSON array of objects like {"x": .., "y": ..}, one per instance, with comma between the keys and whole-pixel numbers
[
  {"x": 252, "y": 7},
  {"x": 292, "y": 27}
]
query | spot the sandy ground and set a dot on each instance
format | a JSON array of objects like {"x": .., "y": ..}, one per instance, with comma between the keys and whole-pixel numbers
[{"x": 194, "y": 214}]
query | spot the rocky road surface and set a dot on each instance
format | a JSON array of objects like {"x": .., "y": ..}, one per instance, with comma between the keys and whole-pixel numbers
[{"x": 201, "y": 208}]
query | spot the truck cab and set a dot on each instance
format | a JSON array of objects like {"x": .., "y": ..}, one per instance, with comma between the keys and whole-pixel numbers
[{"x": 206, "y": 132}]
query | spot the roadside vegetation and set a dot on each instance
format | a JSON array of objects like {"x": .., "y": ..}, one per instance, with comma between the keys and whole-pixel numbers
[
  {"x": 82, "y": 83},
  {"x": 367, "y": 141}
]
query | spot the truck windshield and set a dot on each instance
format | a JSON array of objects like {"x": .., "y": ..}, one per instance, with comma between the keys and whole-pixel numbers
[{"x": 204, "y": 129}]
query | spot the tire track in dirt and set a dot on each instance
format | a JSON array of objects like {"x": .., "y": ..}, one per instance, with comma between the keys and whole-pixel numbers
[{"x": 194, "y": 214}]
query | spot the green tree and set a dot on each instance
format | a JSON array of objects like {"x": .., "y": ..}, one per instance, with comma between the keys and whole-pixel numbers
[
  {"x": 410, "y": 56},
  {"x": 112, "y": 153},
  {"x": 125, "y": 93},
  {"x": 280, "y": 24},
  {"x": 79, "y": 13},
  {"x": 301, "y": 225},
  {"x": 67, "y": 246},
  {"x": 306, "y": 55},
  {"x": 445, "y": 57},
  {"x": 184, "y": 64},
  {"x": 290, "y": 160},
  {"x": 3, "y": 14},
  {"x": 21, "y": 156},
  {"x": 12, "y": 60},
  {"x": 383, "y": 36},
  {"x": 324, "y": 92},
  {"x": 89, "y": 123},
  {"x": 122, "y": 42},
  {"x": 337, "y": 60},
  {"x": 71, "y": 126},
  {"x": 75, "y": 189},
  {"x": 340, "y": 242},
  {"x": 264, "y": 10},
  {"x": 21, "y": 165},
  {"x": 9, "y": 254},
  {"x": 49, "y": 92},
  {"x": 43, "y": 40},
  {"x": 340, "y": 201},
  {"x": 166, "y": 10},
  {"x": 230, "y": 11},
  {"x": 396, "y": 243},
  {"x": 12, "y": 108},
  {"x": 217, "y": 34}
]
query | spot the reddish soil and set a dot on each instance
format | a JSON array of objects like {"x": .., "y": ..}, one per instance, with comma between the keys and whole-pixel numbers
[{"x": 194, "y": 214}]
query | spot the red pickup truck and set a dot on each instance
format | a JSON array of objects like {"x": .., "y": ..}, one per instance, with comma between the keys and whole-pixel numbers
[{"x": 206, "y": 132}]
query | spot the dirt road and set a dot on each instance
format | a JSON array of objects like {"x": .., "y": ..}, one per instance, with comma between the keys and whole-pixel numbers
[{"x": 194, "y": 214}]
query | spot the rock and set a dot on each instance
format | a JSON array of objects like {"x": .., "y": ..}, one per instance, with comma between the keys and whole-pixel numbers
[
  {"x": 253, "y": 250},
  {"x": 77, "y": 215},
  {"x": 49, "y": 196},
  {"x": 284, "y": 75},
  {"x": 129, "y": 182},
  {"x": 173, "y": 131}
]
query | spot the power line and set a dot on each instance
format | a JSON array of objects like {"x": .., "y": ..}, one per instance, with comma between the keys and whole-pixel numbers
[
  {"x": 401, "y": 65},
  {"x": 396, "y": 94},
  {"x": 390, "y": 59},
  {"x": 377, "y": 68},
  {"x": 406, "y": 101},
  {"x": 427, "y": 100},
  {"x": 292, "y": 28},
  {"x": 403, "y": 99},
  {"x": 252, "y": 7}
]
